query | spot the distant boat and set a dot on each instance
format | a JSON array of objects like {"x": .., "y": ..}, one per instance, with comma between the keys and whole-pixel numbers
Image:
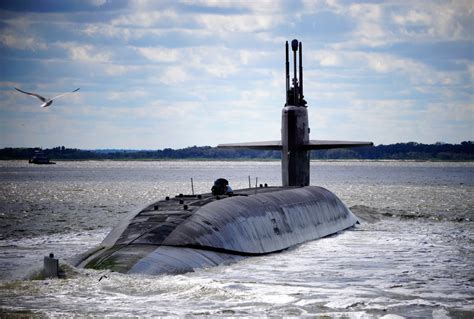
[{"x": 40, "y": 158}]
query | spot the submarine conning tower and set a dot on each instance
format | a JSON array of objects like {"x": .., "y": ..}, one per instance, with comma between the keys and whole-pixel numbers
[
  {"x": 295, "y": 144},
  {"x": 294, "y": 125}
]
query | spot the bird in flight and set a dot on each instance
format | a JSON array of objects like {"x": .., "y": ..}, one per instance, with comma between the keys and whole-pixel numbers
[{"x": 46, "y": 102}]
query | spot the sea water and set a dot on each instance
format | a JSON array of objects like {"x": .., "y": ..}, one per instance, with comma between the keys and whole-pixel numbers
[{"x": 412, "y": 255}]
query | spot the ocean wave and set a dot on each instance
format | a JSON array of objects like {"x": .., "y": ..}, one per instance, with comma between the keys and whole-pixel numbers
[{"x": 371, "y": 214}]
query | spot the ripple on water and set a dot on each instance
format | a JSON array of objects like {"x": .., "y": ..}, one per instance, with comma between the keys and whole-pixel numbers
[
  {"x": 374, "y": 270},
  {"x": 412, "y": 255}
]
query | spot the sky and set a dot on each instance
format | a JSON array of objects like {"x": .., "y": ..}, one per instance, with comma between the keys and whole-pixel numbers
[{"x": 158, "y": 74}]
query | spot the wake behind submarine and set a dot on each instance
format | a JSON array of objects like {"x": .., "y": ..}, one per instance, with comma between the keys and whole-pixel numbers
[{"x": 180, "y": 234}]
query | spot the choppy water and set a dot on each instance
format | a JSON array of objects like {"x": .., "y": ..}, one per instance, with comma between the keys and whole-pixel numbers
[{"x": 413, "y": 257}]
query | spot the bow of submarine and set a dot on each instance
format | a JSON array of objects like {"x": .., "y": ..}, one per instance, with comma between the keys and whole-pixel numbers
[{"x": 165, "y": 238}]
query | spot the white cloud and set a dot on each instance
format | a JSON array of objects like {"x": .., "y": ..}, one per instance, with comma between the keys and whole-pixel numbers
[
  {"x": 451, "y": 111},
  {"x": 86, "y": 53},
  {"x": 21, "y": 41},
  {"x": 166, "y": 110},
  {"x": 386, "y": 23},
  {"x": 417, "y": 72},
  {"x": 112, "y": 31},
  {"x": 330, "y": 60},
  {"x": 128, "y": 33},
  {"x": 370, "y": 29},
  {"x": 451, "y": 21},
  {"x": 216, "y": 61},
  {"x": 436, "y": 21},
  {"x": 223, "y": 69},
  {"x": 159, "y": 54},
  {"x": 327, "y": 58},
  {"x": 470, "y": 69},
  {"x": 311, "y": 6},
  {"x": 238, "y": 23},
  {"x": 255, "y": 95},
  {"x": 271, "y": 6},
  {"x": 129, "y": 94},
  {"x": 118, "y": 69},
  {"x": 367, "y": 12},
  {"x": 17, "y": 33},
  {"x": 147, "y": 18},
  {"x": 413, "y": 17},
  {"x": 253, "y": 56},
  {"x": 173, "y": 75},
  {"x": 383, "y": 63},
  {"x": 363, "y": 119}
]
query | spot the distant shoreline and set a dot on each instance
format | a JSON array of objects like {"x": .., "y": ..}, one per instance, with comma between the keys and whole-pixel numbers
[
  {"x": 252, "y": 160},
  {"x": 411, "y": 151}
]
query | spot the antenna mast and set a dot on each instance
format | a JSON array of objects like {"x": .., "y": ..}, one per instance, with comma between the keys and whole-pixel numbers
[
  {"x": 294, "y": 47},
  {"x": 294, "y": 95},
  {"x": 301, "y": 72}
]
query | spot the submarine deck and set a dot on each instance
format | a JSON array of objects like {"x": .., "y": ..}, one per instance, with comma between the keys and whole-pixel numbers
[
  {"x": 187, "y": 231},
  {"x": 156, "y": 221}
]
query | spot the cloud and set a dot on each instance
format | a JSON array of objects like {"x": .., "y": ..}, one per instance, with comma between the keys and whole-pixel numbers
[
  {"x": 120, "y": 69},
  {"x": 470, "y": 69},
  {"x": 159, "y": 54},
  {"x": 173, "y": 75},
  {"x": 417, "y": 72},
  {"x": 328, "y": 59},
  {"x": 216, "y": 61},
  {"x": 413, "y": 17},
  {"x": 238, "y": 23},
  {"x": 370, "y": 29},
  {"x": 254, "y": 57},
  {"x": 367, "y": 119},
  {"x": 109, "y": 31},
  {"x": 255, "y": 95},
  {"x": 185, "y": 65},
  {"x": 159, "y": 110},
  {"x": 269, "y": 6},
  {"x": 383, "y": 63},
  {"x": 86, "y": 53},
  {"x": 17, "y": 33},
  {"x": 446, "y": 21},
  {"x": 21, "y": 41},
  {"x": 146, "y": 19},
  {"x": 129, "y": 94},
  {"x": 380, "y": 25},
  {"x": 450, "y": 111}
]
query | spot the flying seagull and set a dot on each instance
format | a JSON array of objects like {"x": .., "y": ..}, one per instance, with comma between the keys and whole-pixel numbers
[{"x": 46, "y": 102}]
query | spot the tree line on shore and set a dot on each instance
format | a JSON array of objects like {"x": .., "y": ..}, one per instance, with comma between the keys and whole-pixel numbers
[{"x": 398, "y": 151}]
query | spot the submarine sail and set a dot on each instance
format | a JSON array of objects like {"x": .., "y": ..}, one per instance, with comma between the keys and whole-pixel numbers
[
  {"x": 295, "y": 144},
  {"x": 185, "y": 232}
]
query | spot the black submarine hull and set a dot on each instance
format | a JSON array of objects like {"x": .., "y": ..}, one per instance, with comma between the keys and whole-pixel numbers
[{"x": 187, "y": 232}]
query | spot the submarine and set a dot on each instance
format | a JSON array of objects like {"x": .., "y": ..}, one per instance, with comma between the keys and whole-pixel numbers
[{"x": 182, "y": 233}]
